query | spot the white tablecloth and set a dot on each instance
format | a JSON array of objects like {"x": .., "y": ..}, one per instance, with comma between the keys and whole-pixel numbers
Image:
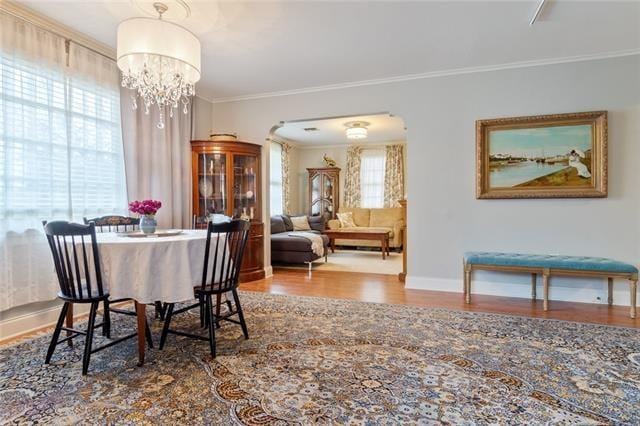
[{"x": 153, "y": 268}]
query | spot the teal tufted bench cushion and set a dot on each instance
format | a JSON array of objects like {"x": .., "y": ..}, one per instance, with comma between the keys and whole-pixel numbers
[{"x": 578, "y": 263}]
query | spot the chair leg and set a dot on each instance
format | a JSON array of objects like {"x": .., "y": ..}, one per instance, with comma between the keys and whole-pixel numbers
[
  {"x": 202, "y": 311},
  {"x": 160, "y": 310},
  {"x": 106, "y": 327},
  {"x": 165, "y": 327},
  {"x": 205, "y": 309},
  {"x": 89, "y": 339},
  {"x": 56, "y": 332},
  {"x": 69, "y": 322},
  {"x": 212, "y": 326},
  {"x": 147, "y": 333},
  {"x": 243, "y": 324},
  {"x": 218, "y": 304}
]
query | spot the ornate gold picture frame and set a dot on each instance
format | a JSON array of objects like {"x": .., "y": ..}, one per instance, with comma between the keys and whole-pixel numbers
[{"x": 542, "y": 156}]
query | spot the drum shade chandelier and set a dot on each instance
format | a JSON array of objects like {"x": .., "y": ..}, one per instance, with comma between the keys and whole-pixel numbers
[{"x": 160, "y": 60}]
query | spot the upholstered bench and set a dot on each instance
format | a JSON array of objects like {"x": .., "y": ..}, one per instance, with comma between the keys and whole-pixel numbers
[{"x": 548, "y": 265}]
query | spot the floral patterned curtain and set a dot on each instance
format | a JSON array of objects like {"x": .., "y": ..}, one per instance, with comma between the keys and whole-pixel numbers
[
  {"x": 352, "y": 178},
  {"x": 286, "y": 181},
  {"x": 394, "y": 175}
]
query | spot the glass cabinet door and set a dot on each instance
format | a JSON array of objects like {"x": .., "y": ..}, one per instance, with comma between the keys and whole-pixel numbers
[
  {"x": 328, "y": 184},
  {"x": 212, "y": 181},
  {"x": 245, "y": 201}
]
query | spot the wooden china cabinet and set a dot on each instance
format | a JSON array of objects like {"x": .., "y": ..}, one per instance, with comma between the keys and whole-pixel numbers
[
  {"x": 324, "y": 191},
  {"x": 226, "y": 180}
]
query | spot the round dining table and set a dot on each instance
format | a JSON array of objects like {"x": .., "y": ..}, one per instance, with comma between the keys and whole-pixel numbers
[{"x": 152, "y": 268}]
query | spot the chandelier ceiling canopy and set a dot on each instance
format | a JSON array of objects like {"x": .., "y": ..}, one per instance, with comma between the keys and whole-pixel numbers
[{"x": 160, "y": 60}]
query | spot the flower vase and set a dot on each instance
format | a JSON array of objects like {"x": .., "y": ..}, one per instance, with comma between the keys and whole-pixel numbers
[{"x": 148, "y": 224}]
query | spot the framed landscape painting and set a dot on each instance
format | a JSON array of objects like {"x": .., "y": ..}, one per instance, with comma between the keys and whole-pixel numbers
[{"x": 543, "y": 156}]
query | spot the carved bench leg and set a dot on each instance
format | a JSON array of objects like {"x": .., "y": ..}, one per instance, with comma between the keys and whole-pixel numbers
[
  {"x": 467, "y": 283},
  {"x": 610, "y": 291},
  {"x": 533, "y": 286},
  {"x": 545, "y": 285},
  {"x": 633, "y": 287}
]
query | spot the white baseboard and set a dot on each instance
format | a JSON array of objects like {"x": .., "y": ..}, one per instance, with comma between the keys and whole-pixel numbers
[
  {"x": 34, "y": 321},
  {"x": 561, "y": 288}
]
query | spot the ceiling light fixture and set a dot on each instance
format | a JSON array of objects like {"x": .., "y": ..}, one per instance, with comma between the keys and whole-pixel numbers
[
  {"x": 357, "y": 129},
  {"x": 160, "y": 60}
]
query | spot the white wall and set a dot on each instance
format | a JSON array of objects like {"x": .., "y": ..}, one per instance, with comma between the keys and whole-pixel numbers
[
  {"x": 444, "y": 217},
  {"x": 201, "y": 118}
]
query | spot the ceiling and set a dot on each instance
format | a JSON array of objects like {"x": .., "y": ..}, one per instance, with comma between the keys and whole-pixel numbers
[
  {"x": 382, "y": 127},
  {"x": 255, "y": 47}
]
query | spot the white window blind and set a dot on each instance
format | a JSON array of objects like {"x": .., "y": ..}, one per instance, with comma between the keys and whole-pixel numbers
[
  {"x": 372, "y": 178},
  {"x": 60, "y": 146},
  {"x": 276, "y": 179}
]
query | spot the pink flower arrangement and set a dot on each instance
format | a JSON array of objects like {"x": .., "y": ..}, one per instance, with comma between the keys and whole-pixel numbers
[{"x": 145, "y": 207}]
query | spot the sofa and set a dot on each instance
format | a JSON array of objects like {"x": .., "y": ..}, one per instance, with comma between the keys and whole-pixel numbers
[
  {"x": 289, "y": 249},
  {"x": 390, "y": 219}
]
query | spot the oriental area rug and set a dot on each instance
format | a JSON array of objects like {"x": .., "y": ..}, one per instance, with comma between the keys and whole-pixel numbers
[{"x": 323, "y": 361}]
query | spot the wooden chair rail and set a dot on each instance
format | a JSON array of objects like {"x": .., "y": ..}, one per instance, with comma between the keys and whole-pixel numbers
[{"x": 546, "y": 275}]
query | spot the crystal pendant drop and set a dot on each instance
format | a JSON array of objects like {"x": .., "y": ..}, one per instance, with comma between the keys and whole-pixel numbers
[{"x": 161, "y": 120}]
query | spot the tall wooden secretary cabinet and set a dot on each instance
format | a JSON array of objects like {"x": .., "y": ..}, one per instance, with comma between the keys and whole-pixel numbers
[
  {"x": 324, "y": 191},
  {"x": 226, "y": 180}
]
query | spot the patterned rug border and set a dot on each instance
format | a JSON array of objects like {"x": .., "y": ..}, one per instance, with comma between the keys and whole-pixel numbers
[{"x": 439, "y": 309}]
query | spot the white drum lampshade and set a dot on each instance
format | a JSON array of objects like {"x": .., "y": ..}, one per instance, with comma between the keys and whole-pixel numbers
[
  {"x": 140, "y": 39},
  {"x": 160, "y": 61}
]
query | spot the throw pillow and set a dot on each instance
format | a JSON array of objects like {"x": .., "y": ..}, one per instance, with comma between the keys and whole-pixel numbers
[
  {"x": 346, "y": 220},
  {"x": 287, "y": 223},
  {"x": 300, "y": 223}
]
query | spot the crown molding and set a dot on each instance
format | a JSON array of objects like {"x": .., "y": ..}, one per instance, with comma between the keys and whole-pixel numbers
[
  {"x": 433, "y": 74},
  {"x": 39, "y": 20}
]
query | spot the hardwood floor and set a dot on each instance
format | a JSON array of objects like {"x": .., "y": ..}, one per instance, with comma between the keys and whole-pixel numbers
[{"x": 387, "y": 289}]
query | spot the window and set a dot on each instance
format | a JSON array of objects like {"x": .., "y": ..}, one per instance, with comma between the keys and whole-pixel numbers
[
  {"x": 372, "y": 178},
  {"x": 276, "y": 178},
  {"x": 60, "y": 146}
]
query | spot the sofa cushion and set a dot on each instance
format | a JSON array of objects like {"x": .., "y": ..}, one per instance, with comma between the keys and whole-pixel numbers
[
  {"x": 360, "y": 216},
  {"x": 387, "y": 217},
  {"x": 277, "y": 225},
  {"x": 317, "y": 223},
  {"x": 287, "y": 222},
  {"x": 285, "y": 242}
]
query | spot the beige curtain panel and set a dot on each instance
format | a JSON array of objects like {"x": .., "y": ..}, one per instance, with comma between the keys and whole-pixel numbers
[
  {"x": 286, "y": 178},
  {"x": 158, "y": 161},
  {"x": 352, "y": 178},
  {"x": 394, "y": 175}
]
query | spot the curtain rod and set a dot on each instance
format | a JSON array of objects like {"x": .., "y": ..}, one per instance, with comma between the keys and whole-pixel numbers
[{"x": 19, "y": 12}]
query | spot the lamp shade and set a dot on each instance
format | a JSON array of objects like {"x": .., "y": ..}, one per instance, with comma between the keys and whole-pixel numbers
[
  {"x": 154, "y": 41},
  {"x": 357, "y": 132}
]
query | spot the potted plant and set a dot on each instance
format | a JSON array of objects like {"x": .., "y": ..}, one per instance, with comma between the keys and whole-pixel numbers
[{"x": 147, "y": 210}]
